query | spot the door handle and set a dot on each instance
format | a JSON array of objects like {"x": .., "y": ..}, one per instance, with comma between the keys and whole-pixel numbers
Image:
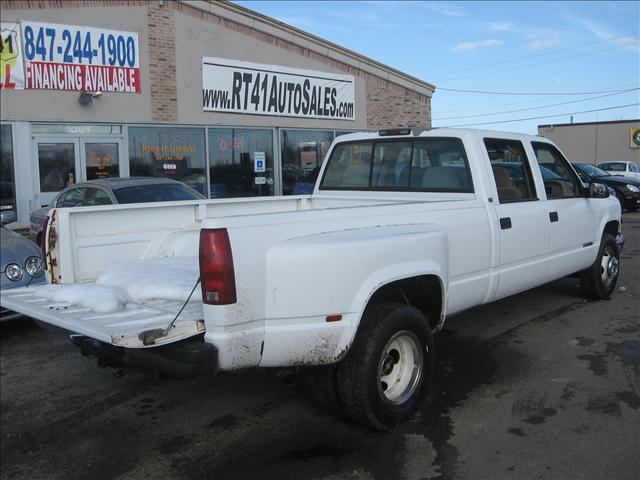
[
  {"x": 505, "y": 223},
  {"x": 553, "y": 216}
]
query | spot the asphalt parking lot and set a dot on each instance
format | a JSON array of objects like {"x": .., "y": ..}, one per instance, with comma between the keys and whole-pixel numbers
[{"x": 540, "y": 385}]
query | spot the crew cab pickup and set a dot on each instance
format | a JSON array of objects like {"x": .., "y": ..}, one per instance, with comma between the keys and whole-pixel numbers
[{"x": 404, "y": 229}]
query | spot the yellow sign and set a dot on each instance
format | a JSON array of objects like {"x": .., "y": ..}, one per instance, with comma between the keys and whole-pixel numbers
[
  {"x": 11, "y": 69},
  {"x": 635, "y": 137}
]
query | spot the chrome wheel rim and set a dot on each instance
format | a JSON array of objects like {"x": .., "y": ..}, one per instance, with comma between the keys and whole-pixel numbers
[
  {"x": 609, "y": 266},
  {"x": 400, "y": 367}
]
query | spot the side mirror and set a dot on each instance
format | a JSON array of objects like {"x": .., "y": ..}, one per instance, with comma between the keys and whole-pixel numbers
[
  {"x": 598, "y": 190},
  {"x": 8, "y": 216}
]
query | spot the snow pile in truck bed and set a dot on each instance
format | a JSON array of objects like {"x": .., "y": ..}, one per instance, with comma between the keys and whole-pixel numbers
[
  {"x": 170, "y": 278},
  {"x": 95, "y": 297}
]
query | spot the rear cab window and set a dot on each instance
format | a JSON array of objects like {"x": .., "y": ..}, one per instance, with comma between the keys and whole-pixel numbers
[{"x": 424, "y": 164}]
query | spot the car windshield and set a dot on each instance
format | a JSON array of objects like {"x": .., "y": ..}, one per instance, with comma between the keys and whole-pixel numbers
[
  {"x": 592, "y": 170},
  {"x": 615, "y": 167},
  {"x": 157, "y": 192}
]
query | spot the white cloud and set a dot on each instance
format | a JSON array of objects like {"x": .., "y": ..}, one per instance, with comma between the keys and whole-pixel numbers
[
  {"x": 469, "y": 46},
  {"x": 629, "y": 43},
  {"x": 501, "y": 26},
  {"x": 440, "y": 7}
]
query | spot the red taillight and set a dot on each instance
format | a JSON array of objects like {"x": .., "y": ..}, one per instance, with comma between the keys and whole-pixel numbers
[
  {"x": 217, "y": 276},
  {"x": 43, "y": 238}
]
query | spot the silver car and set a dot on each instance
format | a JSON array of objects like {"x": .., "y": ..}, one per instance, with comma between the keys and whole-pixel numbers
[
  {"x": 21, "y": 264},
  {"x": 112, "y": 191}
]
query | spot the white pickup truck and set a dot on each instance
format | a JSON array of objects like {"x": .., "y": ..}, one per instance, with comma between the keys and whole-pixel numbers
[{"x": 404, "y": 228}]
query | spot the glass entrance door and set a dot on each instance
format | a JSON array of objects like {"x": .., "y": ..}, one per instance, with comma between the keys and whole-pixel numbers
[
  {"x": 57, "y": 162},
  {"x": 63, "y": 161}
]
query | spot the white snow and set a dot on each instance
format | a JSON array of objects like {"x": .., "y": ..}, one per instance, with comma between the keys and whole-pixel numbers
[
  {"x": 95, "y": 297},
  {"x": 169, "y": 278}
]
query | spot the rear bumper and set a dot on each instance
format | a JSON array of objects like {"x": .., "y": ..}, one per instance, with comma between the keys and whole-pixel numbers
[{"x": 188, "y": 358}]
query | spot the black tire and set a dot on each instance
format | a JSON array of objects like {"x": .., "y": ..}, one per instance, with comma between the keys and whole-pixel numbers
[
  {"x": 323, "y": 382},
  {"x": 599, "y": 281},
  {"x": 390, "y": 337}
]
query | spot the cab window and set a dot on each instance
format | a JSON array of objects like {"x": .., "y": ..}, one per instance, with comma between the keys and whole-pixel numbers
[
  {"x": 511, "y": 170},
  {"x": 564, "y": 184},
  {"x": 424, "y": 164}
]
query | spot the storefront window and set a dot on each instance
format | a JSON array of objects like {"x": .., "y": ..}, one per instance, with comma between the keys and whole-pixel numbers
[
  {"x": 240, "y": 162},
  {"x": 7, "y": 179},
  {"x": 302, "y": 154},
  {"x": 170, "y": 152}
]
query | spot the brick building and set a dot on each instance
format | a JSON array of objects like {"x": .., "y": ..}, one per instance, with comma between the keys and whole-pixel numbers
[{"x": 229, "y": 101}]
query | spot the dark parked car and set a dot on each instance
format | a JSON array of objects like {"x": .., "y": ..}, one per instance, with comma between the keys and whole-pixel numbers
[
  {"x": 627, "y": 190},
  {"x": 111, "y": 191}
]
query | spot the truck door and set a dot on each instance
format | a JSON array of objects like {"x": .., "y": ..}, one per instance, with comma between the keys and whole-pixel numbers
[
  {"x": 572, "y": 216},
  {"x": 522, "y": 220}
]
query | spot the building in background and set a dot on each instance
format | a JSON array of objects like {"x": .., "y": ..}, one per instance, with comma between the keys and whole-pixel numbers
[
  {"x": 596, "y": 142},
  {"x": 227, "y": 100}
]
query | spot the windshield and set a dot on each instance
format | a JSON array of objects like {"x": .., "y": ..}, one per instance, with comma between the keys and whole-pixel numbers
[
  {"x": 614, "y": 167},
  {"x": 158, "y": 192},
  {"x": 592, "y": 170}
]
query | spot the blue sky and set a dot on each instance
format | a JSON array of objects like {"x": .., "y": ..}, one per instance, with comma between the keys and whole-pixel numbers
[{"x": 555, "y": 48}]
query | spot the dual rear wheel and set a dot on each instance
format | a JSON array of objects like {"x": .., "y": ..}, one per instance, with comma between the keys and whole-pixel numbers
[{"x": 381, "y": 381}]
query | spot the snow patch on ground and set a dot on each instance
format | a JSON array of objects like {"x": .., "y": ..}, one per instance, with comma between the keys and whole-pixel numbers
[{"x": 170, "y": 278}]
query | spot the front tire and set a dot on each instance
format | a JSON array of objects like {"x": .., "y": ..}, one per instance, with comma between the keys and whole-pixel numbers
[
  {"x": 599, "y": 281},
  {"x": 382, "y": 379}
]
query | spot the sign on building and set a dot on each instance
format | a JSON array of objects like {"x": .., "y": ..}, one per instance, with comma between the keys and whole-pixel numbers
[
  {"x": 635, "y": 137},
  {"x": 68, "y": 57},
  {"x": 11, "y": 67},
  {"x": 233, "y": 86}
]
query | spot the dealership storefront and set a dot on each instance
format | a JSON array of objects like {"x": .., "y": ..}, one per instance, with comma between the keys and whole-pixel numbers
[{"x": 225, "y": 100}]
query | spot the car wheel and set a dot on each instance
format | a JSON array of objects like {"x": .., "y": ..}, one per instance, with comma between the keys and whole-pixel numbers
[
  {"x": 599, "y": 281},
  {"x": 382, "y": 379}
]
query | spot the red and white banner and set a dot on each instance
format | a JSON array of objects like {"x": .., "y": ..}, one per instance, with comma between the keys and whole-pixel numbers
[{"x": 87, "y": 78}]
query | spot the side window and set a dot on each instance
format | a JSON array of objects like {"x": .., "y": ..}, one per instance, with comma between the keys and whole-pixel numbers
[
  {"x": 75, "y": 197},
  {"x": 101, "y": 198},
  {"x": 440, "y": 165},
  {"x": 349, "y": 166},
  {"x": 511, "y": 170},
  {"x": 563, "y": 183}
]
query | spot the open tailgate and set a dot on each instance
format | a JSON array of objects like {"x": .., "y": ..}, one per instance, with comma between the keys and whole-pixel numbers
[{"x": 122, "y": 328}]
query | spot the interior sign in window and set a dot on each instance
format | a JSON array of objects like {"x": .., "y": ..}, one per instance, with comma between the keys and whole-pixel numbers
[
  {"x": 67, "y": 57},
  {"x": 233, "y": 86}
]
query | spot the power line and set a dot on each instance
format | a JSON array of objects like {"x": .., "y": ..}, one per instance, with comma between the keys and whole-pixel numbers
[
  {"x": 532, "y": 56},
  {"x": 545, "y": 116},
  {"x": 612, "y": 88},
  {"x": 526, "y": 93},
  {"x": 535, "y": 108},
  {"x": 520, "y": 67}
]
